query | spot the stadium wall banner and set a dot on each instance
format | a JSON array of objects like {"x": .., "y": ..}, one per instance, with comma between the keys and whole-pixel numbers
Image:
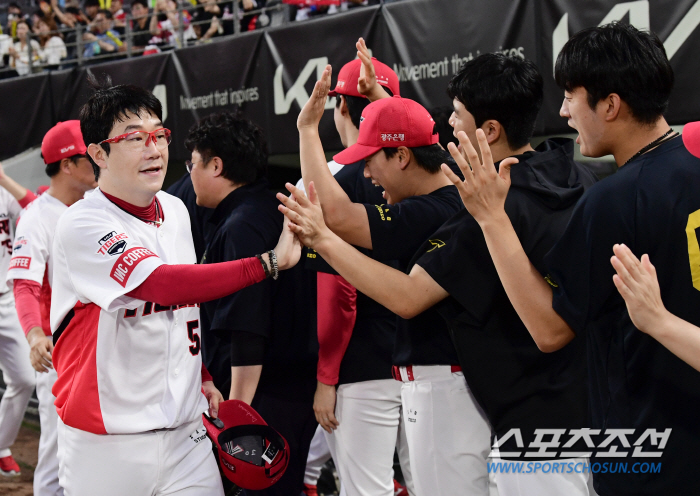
[{"x": 268, "y": 75}]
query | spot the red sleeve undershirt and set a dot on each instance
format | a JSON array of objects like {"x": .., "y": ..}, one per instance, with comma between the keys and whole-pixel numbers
[
  {"x": 187, "y": 284},
  {"x": 27, "y": 297},
  {"x": 28, "y": 198},
  {"x": 336, "y": 312}
]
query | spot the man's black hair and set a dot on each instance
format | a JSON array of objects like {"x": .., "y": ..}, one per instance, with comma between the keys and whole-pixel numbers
[
  {"x": 53, "y": 168},
  {"x": 109, "y": 105},
  {"x": 356, "y": 105},
  {"x": 107, "y": 13},
  {"x": 505, "y": 89},
  {"x": 92, "y": 3},
  {"x": 14, "y": 5},
  {"x": 73, "y": 10},
  {"x": 428, "y": 157},
  {"x": 441, "y": 116},
  {"x": 618, "y": 58},
  {"x": 140, "y": 2},
  {"x": 237, "y": 141}
]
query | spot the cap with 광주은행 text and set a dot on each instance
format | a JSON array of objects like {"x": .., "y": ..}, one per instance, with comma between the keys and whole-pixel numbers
[
  {"x": 390, "y": 123},
  {"x": 62, "y": 141},
  {"x": 350, "y": 73}
]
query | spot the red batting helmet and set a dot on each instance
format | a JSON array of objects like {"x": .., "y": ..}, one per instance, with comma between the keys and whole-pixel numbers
[{"x": 252, "y": 454}]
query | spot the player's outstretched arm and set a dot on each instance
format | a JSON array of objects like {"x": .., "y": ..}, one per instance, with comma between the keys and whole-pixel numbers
[
  {"x": 483, "y": 193},
  {"x": 182, "y": 284},
  {"x": 347, "y": 219},
  {"x": 367, "y": 83},
  {"x": 21, "y": 194},
  {"x": 637, "y": 283},
  {"x": 406, "y": 295}
]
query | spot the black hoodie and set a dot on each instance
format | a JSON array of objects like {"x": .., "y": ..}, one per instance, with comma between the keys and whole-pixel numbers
[{"x": 516, "y": 384}]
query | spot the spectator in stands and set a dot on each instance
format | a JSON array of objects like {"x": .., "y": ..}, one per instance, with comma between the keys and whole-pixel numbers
[
  {"x": 118, "y": 16},
  {"x": 165, "y": 24},
  {"x": 68, "y": 20},
  {"x": 140, "y": 25},
  {"x": 249, "y": 21},
  {"x": 206, "y": 20},
  {"x": 101, "y": 38},
  {"x": 92, "y": 7},
  {"x": 53, "y": 49},
  {"x": 20, "y": 51},
  {"x": 14, "y": 15}
]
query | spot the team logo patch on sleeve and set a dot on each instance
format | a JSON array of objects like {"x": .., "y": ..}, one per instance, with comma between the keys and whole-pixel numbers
[
  {"x": 435, "y": 243},
  {"x": 20, "y": 262},
  {"x": 112, "y": 243},
  {"x": 19, "y": 243},
  {"x": 125, "y": 264}
]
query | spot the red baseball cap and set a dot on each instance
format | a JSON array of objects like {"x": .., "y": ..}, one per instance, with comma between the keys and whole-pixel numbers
[
  {"x": 350, "y": 73},
  {"x": 62, "y": 141},
  {"x": 390, "y": 122},
  {"x": 691, "y": 137},
  {"x": 251, "y": 454}
]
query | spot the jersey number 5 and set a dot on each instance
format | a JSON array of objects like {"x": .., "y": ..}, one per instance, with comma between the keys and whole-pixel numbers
[
  {"x": 194, "y": 337},
  {"x": 693, "y": 247}
]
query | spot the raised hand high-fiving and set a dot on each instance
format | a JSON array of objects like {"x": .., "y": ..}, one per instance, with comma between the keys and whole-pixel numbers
[
  {"x": 311, "y": 114},
  {"x": 304, "y": 214},
  {"x": 484, "y": 189},
  {"x": 367, "y": 82}
]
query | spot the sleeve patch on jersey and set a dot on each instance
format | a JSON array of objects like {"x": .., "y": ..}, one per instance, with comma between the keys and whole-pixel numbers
[
  {"x": 112, "y": 243},
  {"x": 19, "y": 243},
  {"x": 125, "y": 265},
  {"x": 20, "y": 262}
]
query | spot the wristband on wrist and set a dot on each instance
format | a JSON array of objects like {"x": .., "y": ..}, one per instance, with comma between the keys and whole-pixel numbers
[
  {"x": 273, "y": 261},
  {"x": 264, "y": 265}
]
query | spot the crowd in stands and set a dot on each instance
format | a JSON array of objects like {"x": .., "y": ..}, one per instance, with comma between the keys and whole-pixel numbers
[{"x": 62, "y": 33}]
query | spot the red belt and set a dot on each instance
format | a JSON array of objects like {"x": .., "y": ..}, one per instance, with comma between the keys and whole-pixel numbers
[{"x": 396, "y": 371}]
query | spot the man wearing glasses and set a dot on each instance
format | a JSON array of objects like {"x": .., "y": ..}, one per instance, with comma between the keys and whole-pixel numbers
[{"x": 125, "y": 315}]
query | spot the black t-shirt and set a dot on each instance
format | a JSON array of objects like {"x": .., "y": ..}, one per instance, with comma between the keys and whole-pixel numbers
[
  {"x": 199, "y": 216},
  {"x": 368, "y": 355},
  {"x": 201, "y": 16},
  {"x": 516, "y": 384},
  {"x": 141, "y": 35},
  {"x": 247, "y": 222},
  {"x": 653, "y": 206},
  {"x": 398, "y": 231}
]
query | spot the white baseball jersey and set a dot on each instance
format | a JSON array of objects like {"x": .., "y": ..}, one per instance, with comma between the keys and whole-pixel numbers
[
  {"x": 124, "y": 365},
  {"x": 9, "y": 211},
  {"x": 31, "y": 256}
]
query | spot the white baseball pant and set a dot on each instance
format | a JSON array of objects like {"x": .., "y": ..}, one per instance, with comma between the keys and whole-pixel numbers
[
  {"x": 17, "y": 371},
  {"x": 46, "y": 472},
  {"x": 163, "y": 462},
  {"x": 370, "y": 427},
  {"x": 448, "y": 434}
]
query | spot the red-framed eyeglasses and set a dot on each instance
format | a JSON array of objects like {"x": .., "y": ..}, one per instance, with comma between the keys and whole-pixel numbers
[{"x": 137, "y": 139}]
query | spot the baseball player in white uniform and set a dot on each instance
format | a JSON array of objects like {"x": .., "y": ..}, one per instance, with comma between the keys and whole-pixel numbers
[
  {"x": 71, "y": 176},
  {"x": 125, "y": 318},
  {"x": 14, "y": 350}
]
